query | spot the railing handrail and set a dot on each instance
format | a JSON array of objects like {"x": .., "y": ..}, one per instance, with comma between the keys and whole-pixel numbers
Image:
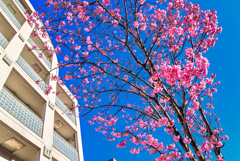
[
  {"x": 10, "y": 15},
  {"x": 65, "y": 140},
  {"x": 73, "y": 156},
  {"x": 3, "y": 40},
  {"x": 61, "y": 105},
  {"x": 18, "y": 109},
  {"x": 22, "y": 103}
]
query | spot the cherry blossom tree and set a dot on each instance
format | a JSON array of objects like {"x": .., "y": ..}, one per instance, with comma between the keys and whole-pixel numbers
[{"x": 139, "y": 67}]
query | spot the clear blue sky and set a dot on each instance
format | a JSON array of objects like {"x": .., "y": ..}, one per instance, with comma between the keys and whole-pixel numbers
[{"x": 224, "y": 61}]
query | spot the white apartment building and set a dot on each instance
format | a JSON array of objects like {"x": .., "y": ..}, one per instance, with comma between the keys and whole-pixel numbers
[{"x": 33, "y": 126}]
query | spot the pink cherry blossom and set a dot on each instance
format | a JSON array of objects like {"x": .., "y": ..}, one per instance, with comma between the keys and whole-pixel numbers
[
  {"x": 188, "y": 155},
  {"x": 122, "y": 144},
  {"x": 88, "y": 41},
  {"x": 138, "y": 69},
  {"x": 106, "y": 2},
  {"x": 135, "y": 24}
]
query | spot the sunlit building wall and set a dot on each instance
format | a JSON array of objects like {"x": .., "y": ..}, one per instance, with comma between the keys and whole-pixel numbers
[{"x": 33, "y": 126}]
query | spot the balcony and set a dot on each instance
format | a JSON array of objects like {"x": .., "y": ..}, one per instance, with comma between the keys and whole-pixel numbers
[
  {"x": 3, "y": 40},
  {"x": 22, "y": 150},
  {"x": 65, "y": 110},
  {"x": 10, "y": 14},
  {"x": 21, "y": 6},
  {"x": 30, "y": 71},
  {"x": 64, "y": 147},
  {"x": 39, "y": 52},
  {"x": 7, "y": 32},
  {"x": 20, "y": 111}
]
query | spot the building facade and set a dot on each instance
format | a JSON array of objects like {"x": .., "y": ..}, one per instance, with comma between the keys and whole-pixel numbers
[
  {"x": 33, "y": 126},
  {"x": 113, "y": 159}
]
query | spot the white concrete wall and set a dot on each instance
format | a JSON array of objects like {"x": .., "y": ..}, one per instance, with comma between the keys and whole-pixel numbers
[{"x": 12, "y": 51}]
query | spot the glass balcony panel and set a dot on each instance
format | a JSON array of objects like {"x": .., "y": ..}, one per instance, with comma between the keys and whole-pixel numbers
[
  {"x": 65, "y": 110},
  {"x": 3, "y": 40},
  {"x": 20, "y": 111},
  {"x": 39, "y": 52},
  {"x": 64, "y": 147},
  {"x": 21, "y": 6},
  {"x": 10, "y": 15},
  {"x": 29, "y": 70}
]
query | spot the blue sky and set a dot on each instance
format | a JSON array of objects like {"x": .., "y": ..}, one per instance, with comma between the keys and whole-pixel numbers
[{"x": 224, "y": 61}]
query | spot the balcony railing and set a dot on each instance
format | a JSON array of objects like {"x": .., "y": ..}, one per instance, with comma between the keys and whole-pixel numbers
[
  {"x": 65, "y": 110},
  {"x": 20, "y": 111},
  {"x": 29, "y": 70},
  {"x": 64, "y": 147},
  {"x": 3, "y": 40},
  {"x": 10, "y": 15},
  {"x": 21, "y": 6},
  {"x": 39, "y": 52}
]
